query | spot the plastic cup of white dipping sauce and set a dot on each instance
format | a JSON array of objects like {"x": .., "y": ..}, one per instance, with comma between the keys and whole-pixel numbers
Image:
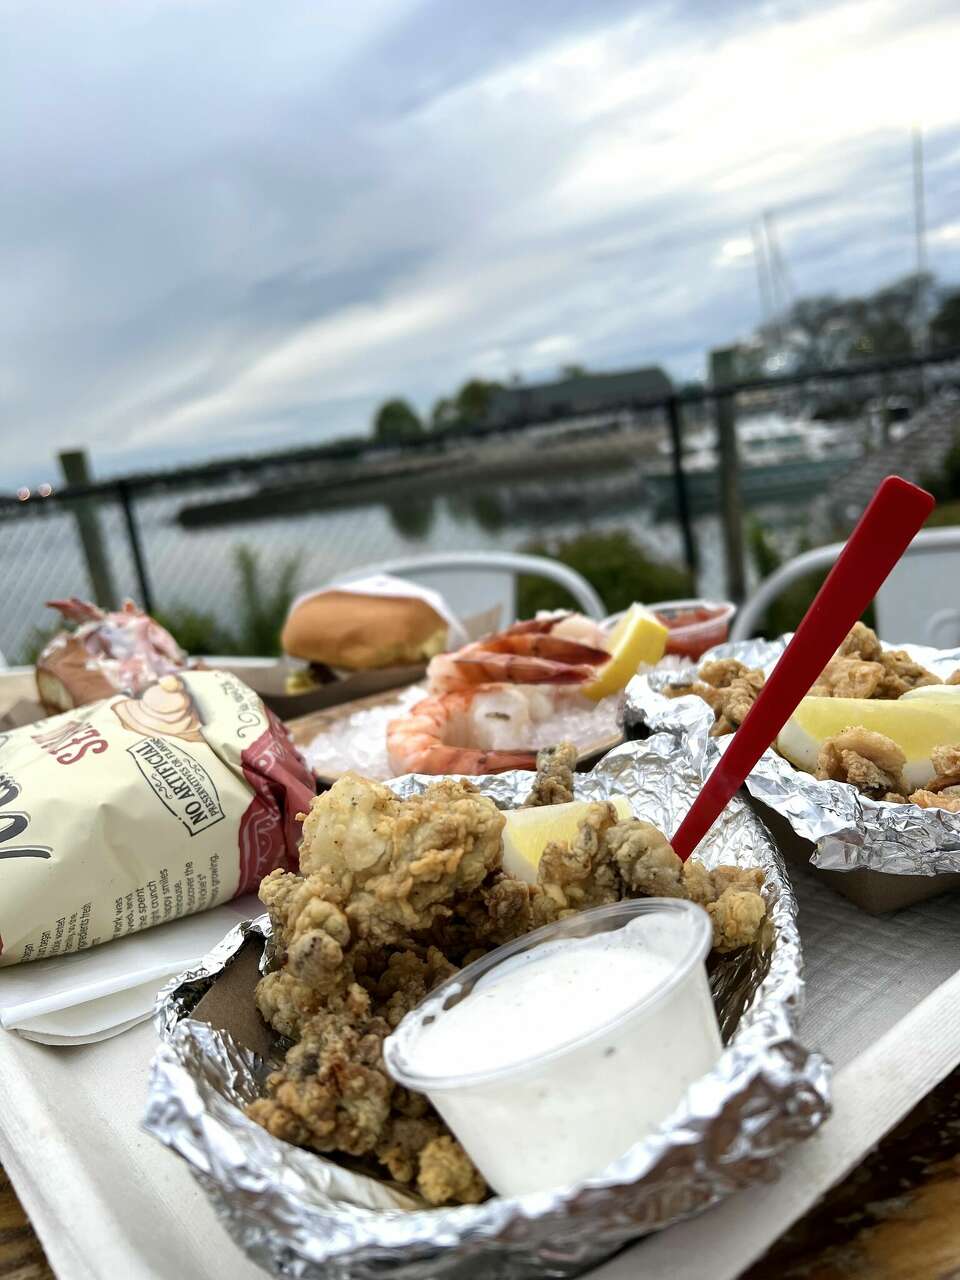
[{"x": 551, "y": 1056}]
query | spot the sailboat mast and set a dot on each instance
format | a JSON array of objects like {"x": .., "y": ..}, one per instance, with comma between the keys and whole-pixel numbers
[
  {"x": 763, "y": 279},
  {"x": 920, "y": 233}
]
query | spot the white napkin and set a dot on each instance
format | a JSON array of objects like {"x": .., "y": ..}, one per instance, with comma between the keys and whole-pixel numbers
[{"x": 91, "y": 995}]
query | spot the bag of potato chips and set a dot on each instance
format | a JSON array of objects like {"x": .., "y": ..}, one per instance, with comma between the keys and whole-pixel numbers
[{"x": 134, "y": 811}]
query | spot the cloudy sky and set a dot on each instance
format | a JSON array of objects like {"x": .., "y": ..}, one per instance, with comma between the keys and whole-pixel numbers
[{"x": 229, "y": 224}]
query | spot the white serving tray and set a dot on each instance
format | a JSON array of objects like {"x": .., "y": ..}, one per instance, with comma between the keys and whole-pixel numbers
[{"x": 883, "y": 1002}]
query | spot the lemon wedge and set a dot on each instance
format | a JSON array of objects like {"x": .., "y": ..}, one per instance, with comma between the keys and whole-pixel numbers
[
  {"x": 938, "y": 692},
  {"x": 916, "y": 725},
  {"x": 639, "y": 637},
  {"x": 527, "y": 832}
]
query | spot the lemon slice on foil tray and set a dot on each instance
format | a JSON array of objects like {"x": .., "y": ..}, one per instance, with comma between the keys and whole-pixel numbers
[
  {"x": 527, "y": 832},
  {"x": 638, "y": 638},
  {"x": 916, "y": 724}
]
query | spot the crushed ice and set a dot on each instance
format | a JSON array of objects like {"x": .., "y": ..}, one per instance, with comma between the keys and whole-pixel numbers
[{"x": 359, "y": 740}]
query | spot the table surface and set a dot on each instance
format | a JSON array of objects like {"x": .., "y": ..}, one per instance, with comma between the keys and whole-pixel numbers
[{"x": 897, "y": 1216}]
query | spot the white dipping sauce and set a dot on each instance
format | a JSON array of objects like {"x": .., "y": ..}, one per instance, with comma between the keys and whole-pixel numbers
[
  {"x": 565, "y": 1055},
  {"x": 538, "y": 1001}
]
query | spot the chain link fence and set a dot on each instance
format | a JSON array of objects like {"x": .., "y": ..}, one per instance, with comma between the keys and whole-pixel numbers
[{"x": 182, "y": 543}]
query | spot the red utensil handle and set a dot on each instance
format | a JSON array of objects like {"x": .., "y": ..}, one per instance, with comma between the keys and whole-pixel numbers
[{"x": 884, "y": 531}]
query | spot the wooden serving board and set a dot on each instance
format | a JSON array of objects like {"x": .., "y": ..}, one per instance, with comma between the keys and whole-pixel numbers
[{"x": 303, "y": 729}]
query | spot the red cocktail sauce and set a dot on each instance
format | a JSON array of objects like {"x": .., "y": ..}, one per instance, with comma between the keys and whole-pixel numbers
[{"x": 694, "y": 625}]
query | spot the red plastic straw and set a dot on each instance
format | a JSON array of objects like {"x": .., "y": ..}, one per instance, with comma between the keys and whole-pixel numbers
[{"x": 885, "y": 530}]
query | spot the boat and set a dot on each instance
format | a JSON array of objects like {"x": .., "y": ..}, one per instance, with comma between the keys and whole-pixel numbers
[{"x": 779, "y": 458}]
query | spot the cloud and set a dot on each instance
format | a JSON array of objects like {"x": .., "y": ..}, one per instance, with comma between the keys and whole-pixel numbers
[{"x": 228, "y": 225}]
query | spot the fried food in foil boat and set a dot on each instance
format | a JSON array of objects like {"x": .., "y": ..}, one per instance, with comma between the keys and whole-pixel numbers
[
  {"x": 855, "y": 807},
  {"x": 299, "y": 1212}
]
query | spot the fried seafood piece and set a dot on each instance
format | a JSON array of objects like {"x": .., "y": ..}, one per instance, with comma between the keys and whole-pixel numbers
[
  {"x": 581, "y": 875},
  {"x": 732, "y": 899},
  {"x": 946, "y": 799},
  {"x": 901, "y": 673},
  {"x": 332, "y": 1092},
  {"x": 378, "y": 872},
  {"x": 309, "y": 924},
  {"x": 699, "y": 688},
  {"x": 729, "y": 687},
  {"x": 848, "y": 677},
  {"x": 446, "y": 1173},
  {"x": 403, "y": 1141},
  {"x": 645, "y": 860},
  {"x": 613, "y": 860},
  {"x": 398, "y": 861},
  {"x": 286, "y": 1002},
  {"x": 736, "y": 700},
  {"x": 722, "y": 672},
  {"x": 405, "y": 979},
  {"x": 860, "y": 642},
  {"x": 503, "y": 908},
  {"x": 554, "y": 781},
  {"x": 946, "y": 764},
  {"x": 731, "y": 895},
  {"x": 861, "y": 668},
  {"x": 871, "y": 762}
]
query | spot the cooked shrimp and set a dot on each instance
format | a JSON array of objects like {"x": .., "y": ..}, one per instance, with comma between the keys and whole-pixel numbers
[
  {"x": 525, "y": 653},
  {"x": 422, "y": 741}
]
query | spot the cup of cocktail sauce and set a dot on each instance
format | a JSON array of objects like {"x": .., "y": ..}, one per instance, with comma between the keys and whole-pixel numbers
[{"x": 694, "y": 626}]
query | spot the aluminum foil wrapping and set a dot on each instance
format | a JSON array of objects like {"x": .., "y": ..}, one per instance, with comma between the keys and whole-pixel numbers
[
  {"x": 847, "y": 829},
  {"x": 297, "y": 1213}
]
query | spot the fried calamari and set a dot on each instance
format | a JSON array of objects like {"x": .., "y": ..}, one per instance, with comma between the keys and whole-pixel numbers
[
  {"x": 871, "y": 762},
  {"x": 729, "y": 687},
  {"x": 860, "y": 668}
]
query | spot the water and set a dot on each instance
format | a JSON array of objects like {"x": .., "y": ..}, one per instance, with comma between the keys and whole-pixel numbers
[{"x": 41, "y": 558}]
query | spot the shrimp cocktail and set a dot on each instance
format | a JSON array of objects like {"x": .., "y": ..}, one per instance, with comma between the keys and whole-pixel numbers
[{"x": 493, "y": 704}]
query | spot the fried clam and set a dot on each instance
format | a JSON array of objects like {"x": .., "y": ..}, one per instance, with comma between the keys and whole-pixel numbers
[{"x": 392, "y": 897}]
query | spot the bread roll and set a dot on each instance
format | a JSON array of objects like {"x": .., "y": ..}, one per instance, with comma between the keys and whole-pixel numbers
[{"x": 363, "y": 632}]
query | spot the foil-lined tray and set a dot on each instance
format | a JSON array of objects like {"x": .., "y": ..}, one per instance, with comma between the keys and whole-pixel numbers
[
  {"x": 300, "y": 1214},
  {"x": 848, "y": 829}
]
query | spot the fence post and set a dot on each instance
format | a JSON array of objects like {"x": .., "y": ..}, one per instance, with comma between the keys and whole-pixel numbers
[
  {"x": 73, "y": 464},
  {"x": 721, "y": 374},
  {"x": 136, "y": 546},
  {"x": 680, "y": 483}
]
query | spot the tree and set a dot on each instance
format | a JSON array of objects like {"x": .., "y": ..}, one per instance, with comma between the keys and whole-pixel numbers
[
  {"x": 824, "y": 331},
  {"x": 945, "y": 325},
  {"x": 614, "y": 563},
  {"x": 444, "y": 414},
  {"x": 412, "y": 517},
  {"x": 473, "y": 399},
  {"x": 397, "y": 423},
  {"x": 573, "y": 371},
  {"x": 467, "y": 407}
]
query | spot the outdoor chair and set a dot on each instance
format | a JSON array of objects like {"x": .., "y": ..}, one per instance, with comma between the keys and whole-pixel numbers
[
  {"x": 919, "y": 603},
  {"x": 475, "y": 581}
]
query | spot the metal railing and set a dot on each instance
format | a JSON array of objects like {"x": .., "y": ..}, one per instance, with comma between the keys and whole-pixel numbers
[{"x": 162, "y": 536}]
